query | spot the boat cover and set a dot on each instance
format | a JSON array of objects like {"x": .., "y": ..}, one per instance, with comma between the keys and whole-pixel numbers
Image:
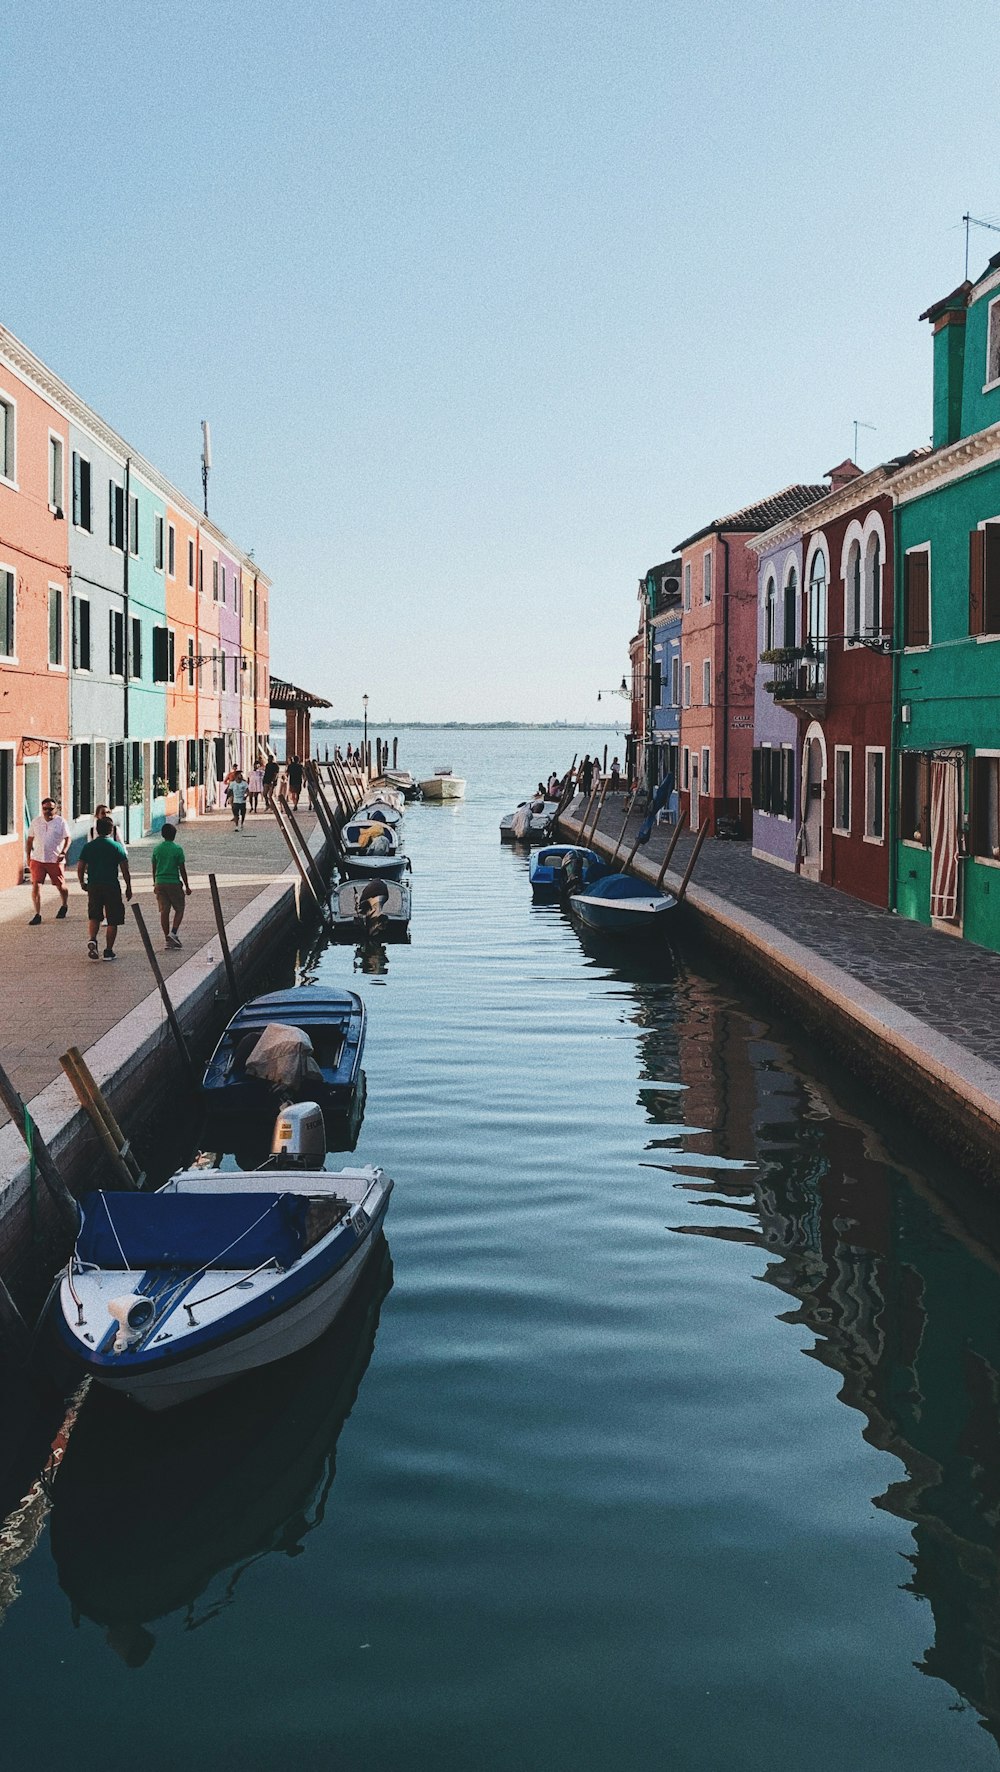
[
  {"x": 623, "y": 886},
  {"x": 191, "y": 1230},
  {"x": 283, "y": 1055}
]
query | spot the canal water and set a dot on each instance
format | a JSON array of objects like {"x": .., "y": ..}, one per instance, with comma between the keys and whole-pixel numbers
[{"x": 664, "y": 1434}]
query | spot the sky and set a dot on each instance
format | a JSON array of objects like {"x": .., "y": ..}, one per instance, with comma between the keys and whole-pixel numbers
[{"x": 490, "y": 304}]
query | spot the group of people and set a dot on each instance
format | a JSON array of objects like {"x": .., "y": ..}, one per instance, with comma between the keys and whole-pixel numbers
[
  {"x": 586, "y": 777},
  {"x": 244, "y": 793}
]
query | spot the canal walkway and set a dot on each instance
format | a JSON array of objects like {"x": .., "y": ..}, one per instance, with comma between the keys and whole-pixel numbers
[
  {"x": 912, "y": 1002},
  {"x": 53, "y": 996}
]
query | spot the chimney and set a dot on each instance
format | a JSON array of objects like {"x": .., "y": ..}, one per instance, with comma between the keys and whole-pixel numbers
[
  {"x": 842, "y": 474},
  {"x": 947, "y": 319}
]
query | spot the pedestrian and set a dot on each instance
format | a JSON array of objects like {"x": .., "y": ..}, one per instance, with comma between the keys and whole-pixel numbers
[
  {"x": 271, "y": 773},
  {"x": 97, "y": 870},
  {"x": 103, "y": 811},
  {"x": 585, "y": 775},
  {"x": 615, "y": 781},
  {"x": 255, "y": 785},
  {"x": 295, "y": 777},
  {"x": 552, "y": 792},
  {"x": 170, "y": 883},
  {"x": 48, "y": 841},
  {"x": 237, "y": 793}
]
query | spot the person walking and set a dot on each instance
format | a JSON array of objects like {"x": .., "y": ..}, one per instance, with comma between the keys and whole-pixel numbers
[
  {"x": 255, "y": 784},
  {"x": 616, "y": 776},
  {"x": 271, "y": 773},
  {"x": 170, "y": 884},
  {"x": 295, "y": 777},
  {"x": 585, "y": 776},
  {"x": 48, "y": 841},
  {"x": 104, "y": 812},
  {"x": 97, "y": 870},
  {"x": 237, "y": 793}
]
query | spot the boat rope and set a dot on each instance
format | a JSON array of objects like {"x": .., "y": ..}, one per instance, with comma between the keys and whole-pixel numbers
[{"x": 125, "y": 1263}]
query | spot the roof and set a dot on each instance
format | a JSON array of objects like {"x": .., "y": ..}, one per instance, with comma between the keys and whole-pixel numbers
[
  {"x": 764, "y": 514},
  {"x": 289, "y": 695},
  {"x": 958, "y": 298}
]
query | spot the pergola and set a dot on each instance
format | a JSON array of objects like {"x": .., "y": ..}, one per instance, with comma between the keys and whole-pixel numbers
[{"x": 296, "y": 703}]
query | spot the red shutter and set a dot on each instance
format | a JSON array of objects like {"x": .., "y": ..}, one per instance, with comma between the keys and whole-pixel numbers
[
  {"x": 916, "y": 614},
  {"x": 977, "y": 556},
  {"x": 991, "y": 579}
]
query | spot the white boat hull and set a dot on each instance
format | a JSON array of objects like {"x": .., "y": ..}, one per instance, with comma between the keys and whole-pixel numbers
[{"x": 443, "y": 787}]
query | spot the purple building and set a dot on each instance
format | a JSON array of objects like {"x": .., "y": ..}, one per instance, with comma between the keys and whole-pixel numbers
[
  {"x": 776, "y": 811},
  {"x": 229, "y": 647}
]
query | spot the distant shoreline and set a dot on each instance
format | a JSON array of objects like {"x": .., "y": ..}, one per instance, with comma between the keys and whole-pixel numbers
[{"x": 383, "y": 726}]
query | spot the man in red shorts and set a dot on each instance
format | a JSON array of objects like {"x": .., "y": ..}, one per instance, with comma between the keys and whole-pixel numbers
[{"x": 48, "y": 841}]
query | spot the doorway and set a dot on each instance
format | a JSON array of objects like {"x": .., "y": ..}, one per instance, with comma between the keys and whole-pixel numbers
[
  {"x": 32, "y": 790},
  {"x": 946, "y": 803},
  {"x": 695, "y": 820},
  {"x": 813, "y": 805}
]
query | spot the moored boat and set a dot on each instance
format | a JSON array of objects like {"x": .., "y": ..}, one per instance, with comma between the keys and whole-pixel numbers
[
  {"x": 530, "y": 822},
  {"x": 443, "y": 785},
  {"x": 620, "y": 904},
  {"x": 402, "y": 781},
  {"x": 377, "y": 809},
  {"x": 372, "y": 910},
  {"x": 248, "y": 1075},
  {"x": 218, "y": 1273},
  {"x": 556, "y": 866},
  {"x": 371, "y": 849}
]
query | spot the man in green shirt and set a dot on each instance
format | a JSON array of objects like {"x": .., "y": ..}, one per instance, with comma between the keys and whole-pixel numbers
[
  {"x": 170, "y": 883},
  {"x": 97, "y": 870}
]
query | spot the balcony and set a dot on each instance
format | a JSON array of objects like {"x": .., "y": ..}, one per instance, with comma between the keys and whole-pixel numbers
[{"x": 799, "y": 677}]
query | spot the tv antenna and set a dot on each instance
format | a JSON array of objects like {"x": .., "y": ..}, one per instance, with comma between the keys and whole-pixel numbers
[
  {"x": 975, "y": 221},
  {"x": 860, "y": 424},
  {"x": 206, "y": 458}
]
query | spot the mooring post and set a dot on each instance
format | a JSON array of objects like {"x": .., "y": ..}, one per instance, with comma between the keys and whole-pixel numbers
[
  {"x": 395, "y": 751},
  {"x": 692, "y": 858},
  {"x": 13, "y": 1326},
  {"x": 161, "y": 985},
  {"x": 38, "y": 1150},
  {"x": 310, "y": 859},
  {"x": 588, "y": 842},
  {"x": 103, "y": 1106},
  {"x": 671, "y": 846},
  {"x": 89, "y": 1103},
  {"x": 628, "y": 814},
  {"x": 307, "y": 879},
  {"x": 220, "y": 924}
]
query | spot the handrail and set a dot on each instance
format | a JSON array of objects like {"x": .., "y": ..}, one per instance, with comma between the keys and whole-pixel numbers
[{"x": 209, "y": 1296}]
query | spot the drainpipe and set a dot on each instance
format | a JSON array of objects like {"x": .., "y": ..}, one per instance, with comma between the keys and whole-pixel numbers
[
  {"x": 725, "y": 673},
  {"x": 126, "y": 652}
]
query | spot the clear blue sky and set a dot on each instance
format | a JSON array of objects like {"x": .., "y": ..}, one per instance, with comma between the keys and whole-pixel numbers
[{"x": 490, "y": 304}]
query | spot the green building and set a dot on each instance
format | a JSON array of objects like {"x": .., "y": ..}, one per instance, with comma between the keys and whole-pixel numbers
[{"x": 946, "y": 853}]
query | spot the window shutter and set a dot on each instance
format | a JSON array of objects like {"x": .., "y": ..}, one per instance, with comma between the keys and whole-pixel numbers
[
  {"x": 991, "y": 579},
  {"x": 76, "y": 487},
  {"x": 916, "y": 585},
  {"x": 83, "y": 635},
  {"x": 755, "y": 780},
  {"x": 788, "y": 771},
  {"x": 977, "y": 559}
]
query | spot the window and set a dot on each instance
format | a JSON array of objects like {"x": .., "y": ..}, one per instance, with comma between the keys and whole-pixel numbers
[
  {"x": 116, "y": 515},
  {"x": 770, "y": 615},
  {"x": 190, "y": 565},
  {"x": 116, "y": 648},
  {"x": 874, "y": 796},
  {"x": 192, "y": 762},
  {"x": 791, "y": 595},
  {"x": 687, "y": 585},
  {"x": 985, "y": 821},
  {"x": 984, "y": 579},
  {"x": 215, "y": 581},
  {"x": 222, "y": 584},
  {"x": 706, "y": 578},
  {"x": 787, "y": 807},
  {"x": 6, "y": 791},
  {"x": 55, "y": 627},
  {"x": 201, "y": 570},
  {"x": 706, "y": 783},
  {"x": 222, "y": 660},
  {"x": 133, "y": 525},
  {"x": 7, "y": 600},
  {"x": 215, "y": 670},
  {"x": 872, "y": 596},
  {"x": 116, "y": 775},
  {"x": 83, "y": 515},
  {"x": 163, "y": 655},
  {"x": 56, "y": 474},
  {"x": 687, "y": 685},
  {"x": 171, "y": 551},
  {"x": 190, "y": 662},
  {"x": 770, "y": 780},
  {"x": 159, "y": 766},
  {"x": 158, "y": 541},
  {"x": 675, "y": 680},
  {"x": 55, "y": 773},
  {"x": 706, "y": 683},
  {"x": 816, "y": 626},
  {"x": 842, "y": 789},
  {"x": 993, "y": 344},
  {"x": 82, "y": 795},
  {"x": 81, "y": 633},
  {"x": 8, "y": 456},
  {"x": 686, "y": 770},
  {"x": 135, "y": 662},
  {"x": 915, "y": 798},
  {"x": 854, "y": 622},
  {"x": 916, "y": 598},
  {"x": 173, "y": 777}
]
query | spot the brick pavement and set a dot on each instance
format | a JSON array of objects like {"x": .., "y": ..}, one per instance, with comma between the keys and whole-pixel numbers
[
  {"x": 52, "y": 996},
  {"x": 950, "y": 985}
]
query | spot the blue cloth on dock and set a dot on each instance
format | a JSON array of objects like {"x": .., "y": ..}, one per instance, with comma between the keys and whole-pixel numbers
[{"x": 191, "y": 1230}]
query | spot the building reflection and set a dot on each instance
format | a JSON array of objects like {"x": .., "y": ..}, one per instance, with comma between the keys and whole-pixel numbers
[
  {"x": 156, "y": 1514},
  {"x": 903, "y": 1299}
]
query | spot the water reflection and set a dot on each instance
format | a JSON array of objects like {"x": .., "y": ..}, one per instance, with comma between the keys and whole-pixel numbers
[
  {"x": 904, "y": 1305},
  {"x": 372, "y": 958},
  {"x": 158, "y": 1514}
]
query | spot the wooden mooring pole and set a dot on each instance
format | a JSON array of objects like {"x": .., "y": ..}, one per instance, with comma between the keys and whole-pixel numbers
[
  {"x": 628, "y": 813},
  {"x": 161, "y": 985},
  {"x": 38, "y": 1151},
  {"x": 220, "y": 924},
  {"x": 280, "y": 808},
  {"x": 671, "y": 846},
  {"x": 692, "y": 858},
  {"x": 101, "y": 1118},
  {"x": 589, "y": 841}
]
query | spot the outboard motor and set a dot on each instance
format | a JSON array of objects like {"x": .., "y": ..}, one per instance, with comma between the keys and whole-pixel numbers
[{"x": 299, "y": 1140}]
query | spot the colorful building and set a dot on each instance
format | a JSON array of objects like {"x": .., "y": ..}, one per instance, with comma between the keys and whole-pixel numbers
[
  {"x": 775, "y": 764},
  {"x": 663, "y": 600}
]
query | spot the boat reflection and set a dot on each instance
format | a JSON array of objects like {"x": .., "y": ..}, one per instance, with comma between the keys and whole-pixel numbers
[
  {"x": 372, "y": 958},
  {"x": 154, "y": 1514}
]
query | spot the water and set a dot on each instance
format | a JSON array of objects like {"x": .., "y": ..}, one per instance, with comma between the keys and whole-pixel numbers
[{"x": 572, "y": 1488}]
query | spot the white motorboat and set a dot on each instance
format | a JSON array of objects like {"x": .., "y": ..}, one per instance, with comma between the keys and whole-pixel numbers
[
  {"x": 174, "y": 1293},
  {"x": 443, "y": 785},
  {"x": 371, "y": 850},
  {"x": 375, "y": 807},
  {"x": 530, "y": 822},
  {"x": 402, "y": 781},
  {"x": 371, "y": 910}
]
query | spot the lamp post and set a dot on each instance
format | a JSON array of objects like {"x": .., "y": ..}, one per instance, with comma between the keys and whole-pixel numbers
[{"x": 364, "y": 747}]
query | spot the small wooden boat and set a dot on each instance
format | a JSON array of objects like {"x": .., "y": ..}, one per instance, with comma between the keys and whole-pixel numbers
[
  {"x": 620, "y": 904},
  {"x": 373, "y": 910},
  {"x": 218, "y": 1273},
  {"x": 332, "y": 1024},
  {"x": 402, "y": 781},
  {"x": 442, "y": 785},
  {"x": 559, "y": 865},
  {"x": 530, "y": 822},
  {"x": 371, "y": 850},
  {"x": 377, "y": 809}
]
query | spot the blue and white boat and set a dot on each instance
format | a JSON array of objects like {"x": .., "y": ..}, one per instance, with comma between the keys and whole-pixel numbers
[
  {"x": 243, "y": 1081},
  {"x": 550, "y": 867},
  {"x": 172, "y": 1294},
  {"x": 622, "y": 905},
  {"x": 371, "y": 850}
]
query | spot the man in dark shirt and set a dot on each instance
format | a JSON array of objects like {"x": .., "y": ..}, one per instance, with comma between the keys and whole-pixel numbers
[{"x": 97, "y": 870}]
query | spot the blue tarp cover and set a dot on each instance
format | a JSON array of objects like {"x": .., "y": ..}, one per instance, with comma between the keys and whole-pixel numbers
[
  {"x": 623, "y": 886},
  {"x": 191, "y": 1230}
]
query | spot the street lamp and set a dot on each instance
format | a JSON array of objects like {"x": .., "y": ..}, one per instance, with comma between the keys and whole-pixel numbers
[
  {"x": 623, "y": 690},
  {"x": 364, "y": 748}
]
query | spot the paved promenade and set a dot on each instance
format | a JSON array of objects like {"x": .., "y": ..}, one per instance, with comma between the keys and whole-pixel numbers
[{"x": 53, "y": 996}]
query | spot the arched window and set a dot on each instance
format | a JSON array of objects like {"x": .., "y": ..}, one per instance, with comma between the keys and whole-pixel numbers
[
  {"x": 770, "y": 611},
  {"x": 816, "y": 620},
  {"x": 873, "y": 586},
  {"x": 854, "y": 623},
  {"x": 791, "y": 593}
]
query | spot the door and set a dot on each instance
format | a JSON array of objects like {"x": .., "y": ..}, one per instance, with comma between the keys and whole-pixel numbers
[
  {"x": 32, "y": 791},
  {"x": 813, "y": 798},
  {"x": 695, "y": 819},
  {"x": 946, "y": 800}
]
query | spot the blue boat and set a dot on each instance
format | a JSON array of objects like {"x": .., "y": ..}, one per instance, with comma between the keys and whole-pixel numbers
[
  {"x": 333, "y": 1023},
  {"x": 622, "y": 905},
  {"x": 552, "y": 866}
]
